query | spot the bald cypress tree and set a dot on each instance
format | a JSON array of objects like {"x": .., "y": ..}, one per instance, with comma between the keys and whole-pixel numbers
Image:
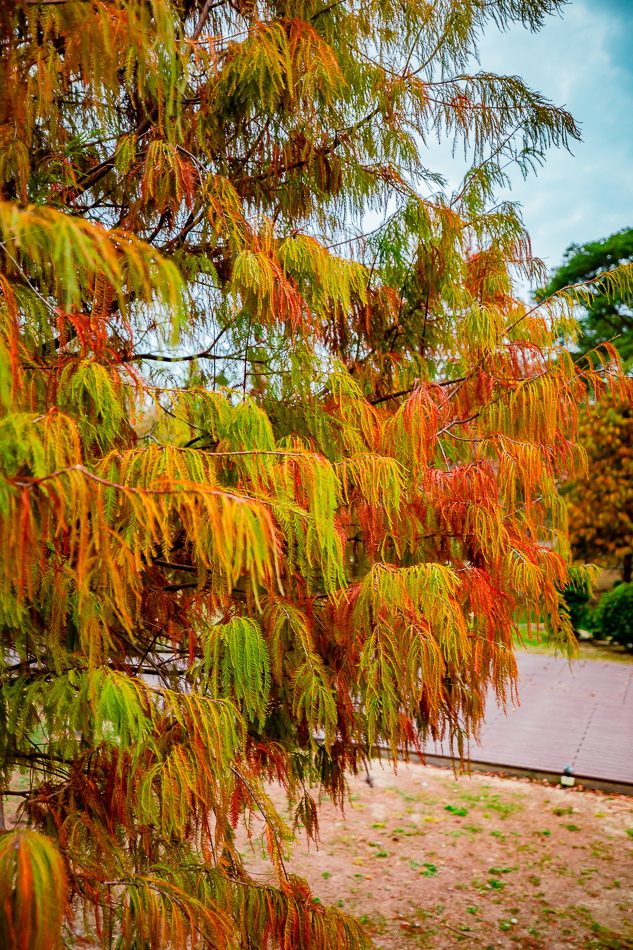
[{"x": 273, "y": 489}]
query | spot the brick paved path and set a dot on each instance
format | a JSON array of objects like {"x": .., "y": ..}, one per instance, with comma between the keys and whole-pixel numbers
[{"x": 581, "y": 717}]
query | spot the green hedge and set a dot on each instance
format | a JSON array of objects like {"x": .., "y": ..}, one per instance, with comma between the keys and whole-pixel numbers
[{"x": 614, "y": 614}]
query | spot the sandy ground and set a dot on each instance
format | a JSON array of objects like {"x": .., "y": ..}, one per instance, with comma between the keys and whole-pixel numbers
[{"x": 425, "y": 859}]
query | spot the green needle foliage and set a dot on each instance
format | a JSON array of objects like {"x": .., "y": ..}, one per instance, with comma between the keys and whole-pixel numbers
[{"x": 273, "y": 492}]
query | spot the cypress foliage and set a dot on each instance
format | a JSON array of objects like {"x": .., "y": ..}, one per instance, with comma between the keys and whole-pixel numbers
[{"x": 272, "y": 491}]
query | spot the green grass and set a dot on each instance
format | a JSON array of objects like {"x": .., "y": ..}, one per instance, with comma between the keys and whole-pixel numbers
[
  {"x": 495, "y": 884},
  {"x": 587, "y": 650},
  {"x": 456, "y": 810},
  {"x": 490, "y": 802}
]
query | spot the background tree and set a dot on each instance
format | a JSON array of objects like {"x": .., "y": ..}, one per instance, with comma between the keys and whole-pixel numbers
[
  {"x": 607, "y": 309},
  {"x": 272, "y": 490},
  {"x": 601, "y": 502}
]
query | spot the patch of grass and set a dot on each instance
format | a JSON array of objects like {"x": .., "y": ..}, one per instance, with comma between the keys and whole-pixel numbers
[
  {"x": 601, "y": 850},
  {"x": 408, "y": 798},
  {"x": 572, "y": 827},
  {"x": 563, "y": 811},
  {"x": 587, "y": 650},
  {"x": 456, "y": 810},
  {"x": 605, "y": 939},
  {"x": 495, "y": 884},
  {"x": 611, "y": 942},
  {"x": 501, "y": 870},
  {"x": 474, "y": 829},
  {"x": 429, "y": 869},
  {"x": 326, "y": 874},
  {"x": 379, "y": 824},
  {"x": 502, "y": 807},
  {"x": 470, "y": 797}
]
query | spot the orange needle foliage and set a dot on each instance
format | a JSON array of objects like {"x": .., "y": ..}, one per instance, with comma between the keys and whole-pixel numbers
[{"x": 273, "y": 492}]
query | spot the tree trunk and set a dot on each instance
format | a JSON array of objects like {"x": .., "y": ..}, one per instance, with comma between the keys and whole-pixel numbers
[{"x": 626, "y": 568}]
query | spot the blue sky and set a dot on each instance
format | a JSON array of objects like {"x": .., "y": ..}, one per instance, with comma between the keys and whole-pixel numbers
[{"x": 582, "y": 60}]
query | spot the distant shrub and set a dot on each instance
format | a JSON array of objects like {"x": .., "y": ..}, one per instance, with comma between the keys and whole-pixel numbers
[
  {"x": 577, "y": 594},
  {"x": 580, "y": 613},
  {"x": 614, "y": 614}
]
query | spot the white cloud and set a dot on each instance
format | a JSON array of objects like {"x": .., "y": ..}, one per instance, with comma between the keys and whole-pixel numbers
[{"x": 580, "y": 60}]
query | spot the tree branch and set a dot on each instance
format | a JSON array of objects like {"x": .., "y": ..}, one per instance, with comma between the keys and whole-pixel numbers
[{"x": 143, "y": 127}]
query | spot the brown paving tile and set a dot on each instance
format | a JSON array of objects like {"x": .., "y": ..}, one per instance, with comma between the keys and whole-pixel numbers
[{"x": 580, "y": 716}]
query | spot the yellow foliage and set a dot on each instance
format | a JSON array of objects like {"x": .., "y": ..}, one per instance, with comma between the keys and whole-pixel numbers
[{"x": 33, "y": 891}]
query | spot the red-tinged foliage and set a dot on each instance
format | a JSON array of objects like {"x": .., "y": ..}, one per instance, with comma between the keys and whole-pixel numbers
[{"x": 33, "y": 891}]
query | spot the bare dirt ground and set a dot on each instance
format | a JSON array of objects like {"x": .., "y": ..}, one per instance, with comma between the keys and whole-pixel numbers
[{"x": 427, "y": 860}]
